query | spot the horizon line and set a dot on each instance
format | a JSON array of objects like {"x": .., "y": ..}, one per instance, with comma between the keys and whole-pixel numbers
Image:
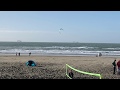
[{"x": 59, "y": 42}]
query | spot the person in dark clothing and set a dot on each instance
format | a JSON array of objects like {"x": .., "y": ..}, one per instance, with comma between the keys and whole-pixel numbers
[
  {"x": 29, "y": 53},
  {"x": 100, "y": 54},
  {"x": 19, "y": 53},
  {"x": 71, "y": 74},
  {"x": 114, "y": 66}
]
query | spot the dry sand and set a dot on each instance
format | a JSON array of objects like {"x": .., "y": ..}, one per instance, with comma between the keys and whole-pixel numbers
[{"x": 54, "y": 67}]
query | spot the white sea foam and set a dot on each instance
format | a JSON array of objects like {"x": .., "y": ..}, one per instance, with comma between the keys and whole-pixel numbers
[
  {"x": 60, "y": 48},
  {"x": 61, "y": 52}
]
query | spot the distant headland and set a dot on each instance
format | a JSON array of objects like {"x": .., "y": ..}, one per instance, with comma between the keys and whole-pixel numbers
[{"x": 19, "y": 41}]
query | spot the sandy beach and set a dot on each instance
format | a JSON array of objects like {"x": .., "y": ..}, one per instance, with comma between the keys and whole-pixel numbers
[{"x": 54, "y": 67}]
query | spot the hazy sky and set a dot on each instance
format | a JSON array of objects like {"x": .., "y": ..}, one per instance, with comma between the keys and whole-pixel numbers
[{"x": 44, "y": 26}]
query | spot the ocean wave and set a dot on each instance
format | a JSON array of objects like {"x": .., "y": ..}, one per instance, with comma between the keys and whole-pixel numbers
[
  {"x": 64, "y": 52},
  {"x": 49, "y": 48},
  {"x": 60, "y": 48}
]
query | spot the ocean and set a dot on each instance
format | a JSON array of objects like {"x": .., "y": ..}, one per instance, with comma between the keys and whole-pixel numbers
[{"x": 60, "y": 49}]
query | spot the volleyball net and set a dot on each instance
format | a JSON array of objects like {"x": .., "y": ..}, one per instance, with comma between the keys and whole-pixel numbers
[{"x": 79, "y": 73}]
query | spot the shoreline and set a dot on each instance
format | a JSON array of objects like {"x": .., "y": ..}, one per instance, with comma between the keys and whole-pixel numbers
[{"x": 70, "y": 55}]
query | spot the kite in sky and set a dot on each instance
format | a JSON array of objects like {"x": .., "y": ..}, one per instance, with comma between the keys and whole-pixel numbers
[{"x": 60, "y": 30}]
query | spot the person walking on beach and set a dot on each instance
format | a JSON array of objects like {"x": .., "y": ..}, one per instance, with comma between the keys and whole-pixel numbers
[
  {"x": 16, "y": 53},
  {"x": 29, "y": 53},
  {"x": 19, "y": 53},
  {"x": 114, "y": 66},
  {"x": 100, "y": 54}
]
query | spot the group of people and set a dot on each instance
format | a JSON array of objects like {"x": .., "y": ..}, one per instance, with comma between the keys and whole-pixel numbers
[
  {"x": 99, "y": 55},
  {"x": 116, "y": 67},
  {"x": 19, "y": 54}
]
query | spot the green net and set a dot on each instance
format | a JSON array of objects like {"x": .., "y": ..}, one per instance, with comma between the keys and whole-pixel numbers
[{"x": 76, "y": 71}]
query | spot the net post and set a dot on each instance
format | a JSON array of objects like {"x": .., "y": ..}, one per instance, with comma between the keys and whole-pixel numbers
[
  {"x": 67, "y": 74},
  {"x": 66, "y": 69}
]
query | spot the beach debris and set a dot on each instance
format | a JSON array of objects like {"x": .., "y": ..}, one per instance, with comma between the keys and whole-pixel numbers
[{"x": 30, "y": 63}]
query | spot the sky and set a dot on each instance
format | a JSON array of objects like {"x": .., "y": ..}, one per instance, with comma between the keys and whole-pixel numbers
[{"x": 45, "y": 26}]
